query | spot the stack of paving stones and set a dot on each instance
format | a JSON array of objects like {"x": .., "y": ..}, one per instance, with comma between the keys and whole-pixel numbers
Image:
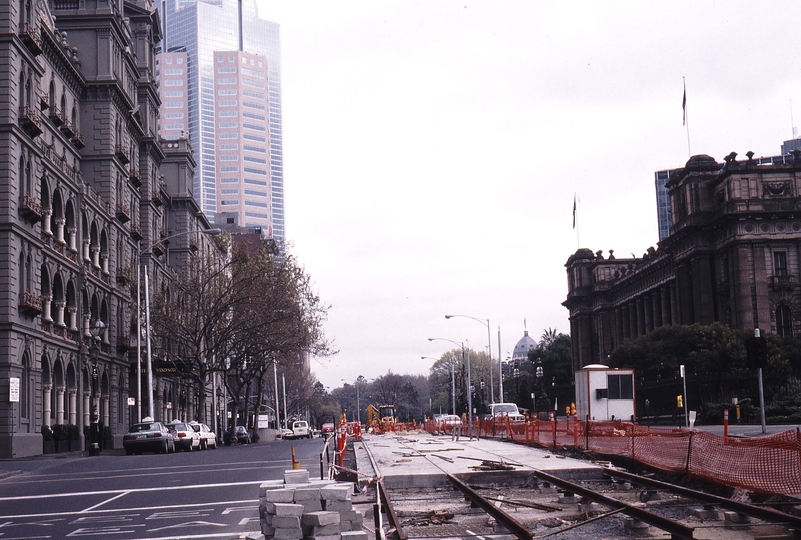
[{"x": 296, "y": 508}]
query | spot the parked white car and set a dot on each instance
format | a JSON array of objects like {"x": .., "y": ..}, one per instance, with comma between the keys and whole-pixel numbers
[
  {"x": 506, "y": 409},
  {"x": 208, "y": 439},
  {"x": 300, "y": 430}
]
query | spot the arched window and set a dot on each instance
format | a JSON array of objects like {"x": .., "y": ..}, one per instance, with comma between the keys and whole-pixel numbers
[
  {"x": 24, "y": 389},
  {"x": 784, "y": 321},
  {"x": 21, "y": 274}
]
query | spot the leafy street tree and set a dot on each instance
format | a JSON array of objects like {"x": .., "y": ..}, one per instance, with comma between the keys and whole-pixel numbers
[{"x": 239, "y": 317}]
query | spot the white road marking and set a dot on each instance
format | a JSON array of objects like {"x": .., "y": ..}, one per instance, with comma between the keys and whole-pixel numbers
[
  {"x": 139, "y": 509},
  {"x": 189, "y": 524}
]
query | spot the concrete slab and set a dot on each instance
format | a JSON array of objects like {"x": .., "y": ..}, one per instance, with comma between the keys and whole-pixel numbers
[{"x": 415, "y": 460}]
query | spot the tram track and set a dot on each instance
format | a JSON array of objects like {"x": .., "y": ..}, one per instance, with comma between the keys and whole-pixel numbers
[{"x": 531, "y": 504}]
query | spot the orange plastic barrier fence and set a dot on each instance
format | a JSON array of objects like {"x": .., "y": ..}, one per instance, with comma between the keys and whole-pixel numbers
[{"x": 768, "y": 464}]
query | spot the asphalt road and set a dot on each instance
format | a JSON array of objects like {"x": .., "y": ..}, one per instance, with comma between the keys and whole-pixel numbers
[{"x": 209, "y": 494}]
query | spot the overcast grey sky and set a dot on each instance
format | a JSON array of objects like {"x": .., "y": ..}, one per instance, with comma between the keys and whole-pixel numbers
[{"x": 432, "y": 150}]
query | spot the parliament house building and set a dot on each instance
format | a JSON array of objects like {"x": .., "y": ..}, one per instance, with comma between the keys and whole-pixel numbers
[{"x": 732, "y": 256}]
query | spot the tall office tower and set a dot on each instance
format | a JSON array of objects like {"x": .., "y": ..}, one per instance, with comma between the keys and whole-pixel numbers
[
  {"x": 200, "y": 28},
  {"x": 662, "y": 202},
  {"x": 243, "y": 158}
]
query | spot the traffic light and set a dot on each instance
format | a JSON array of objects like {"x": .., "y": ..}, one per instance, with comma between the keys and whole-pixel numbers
[
  {"x": 756, "y": 352},
  {"x": 680, "y": 401}
]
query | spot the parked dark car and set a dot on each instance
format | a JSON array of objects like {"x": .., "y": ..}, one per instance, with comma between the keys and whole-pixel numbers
[
  {"x": 148, "y": 437},
  {"x": 242, "y": 435}
]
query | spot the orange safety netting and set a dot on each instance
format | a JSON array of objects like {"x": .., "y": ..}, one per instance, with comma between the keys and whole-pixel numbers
[{"x": 768, "y": 464}]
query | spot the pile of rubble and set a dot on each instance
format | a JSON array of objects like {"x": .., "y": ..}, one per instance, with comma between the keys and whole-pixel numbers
[{"x": 296, "y": 508}]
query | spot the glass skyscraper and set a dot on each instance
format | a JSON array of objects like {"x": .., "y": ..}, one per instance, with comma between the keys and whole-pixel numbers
[{"x": 200, "y": 28}]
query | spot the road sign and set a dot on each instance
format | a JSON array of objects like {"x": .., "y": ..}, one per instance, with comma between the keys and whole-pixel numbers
[{"x": 13, "y": 390}]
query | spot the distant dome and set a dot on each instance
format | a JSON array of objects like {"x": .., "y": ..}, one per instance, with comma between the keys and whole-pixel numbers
[{"x": 525, "y": 344}]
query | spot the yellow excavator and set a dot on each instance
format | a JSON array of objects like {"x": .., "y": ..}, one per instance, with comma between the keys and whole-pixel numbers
[{"x": 381, "y": 418}]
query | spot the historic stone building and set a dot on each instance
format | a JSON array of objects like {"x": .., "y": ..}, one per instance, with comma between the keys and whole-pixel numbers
[
  {"x": 733, "y": 256},
  {"x": 87, "y": 186}
]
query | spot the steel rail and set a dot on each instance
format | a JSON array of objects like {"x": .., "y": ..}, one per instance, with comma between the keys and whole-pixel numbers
[
  {"x": 761, "y": 512},
  {"x": 676, "y": 530},
  {"x": 515, "y": 527},
  {"x": 383, "y": 497}
]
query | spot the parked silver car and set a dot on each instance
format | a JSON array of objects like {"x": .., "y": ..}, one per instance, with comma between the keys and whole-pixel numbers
[{"x": 148, "y": 437}]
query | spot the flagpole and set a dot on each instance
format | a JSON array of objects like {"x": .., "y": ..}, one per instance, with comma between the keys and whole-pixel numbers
[
  {"x": 685, "y": 119},
  {"x": 575, "y": 222}
]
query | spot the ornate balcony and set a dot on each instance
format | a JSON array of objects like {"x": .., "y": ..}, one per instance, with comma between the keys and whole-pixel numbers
[
  {"x": 158, "y": 249},
  {"x": 31, "y": 38},
  {"x": 77, "y": 140},
  {"x": 123, "y": 343},
  {"x": 30, "y": 209},
  {"x": 156, "y": 197},
  {"x": 123, "y": 213},
  {"x": 44, "y": 101},
  {"x": 30, "y": 304},
  {"x": 785, "y": 282},
  {"x": 67, "y": 128},
  {"x": 55, "y": 116},
  {"x": 136, "y": 231},
  {"x": 30, "y": 121},
  {"x": 124, "y": 275},
  {"x": 122, "y": 154}
]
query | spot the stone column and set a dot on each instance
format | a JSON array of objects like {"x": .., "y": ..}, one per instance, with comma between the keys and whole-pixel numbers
[
  {"x": 60, "y": 222},
  {"x": 60, "y": 405},
  {"x": 46, "y": 302},
  {"x": 640, "y": 317},
  {"x": 46, "y": 222},
  {"x": 96, "y": 256},
  {"x": 86, "y": 331},
  {"x": 72, "y": 238},
  {"x": 104, "y": 263},
  {"x": 656, "y": 304},
  {"x": 664, "y": 301},
  {"x": 73, "y": 318},
  {"x": 648, "y": 313},
  {"x": 87, "y": 407},
  {"x": 60, "y": 305},
  {"x": 73, "y": 406},
  {"x": 106, "y": 413},
  {"x": 86, "y": 256},
  {"x": 46, "y": 405}
]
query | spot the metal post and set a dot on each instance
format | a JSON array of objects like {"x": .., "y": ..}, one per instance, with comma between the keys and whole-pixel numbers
[
  {"x": 761, "y": 392},
  {"x": 453, "y": 388},
  {"x": 150, "y": 412},
  {"x": 686, "y": 414},
  {"x": 469, "y": 391},
  {"x": 138, "y": 331},
  {"x": 500, "y": 368},
  {"x": 283, "y": 381},
  {"x": 277, "y": 405}
]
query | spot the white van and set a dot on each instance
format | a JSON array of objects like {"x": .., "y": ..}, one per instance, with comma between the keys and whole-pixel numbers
[
  {"x": 506, "y": 409},
  {"x": 300, "y": 430}
]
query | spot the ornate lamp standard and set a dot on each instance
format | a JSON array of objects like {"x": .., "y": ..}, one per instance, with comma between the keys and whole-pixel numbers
[{"x": 96, "y": 329}]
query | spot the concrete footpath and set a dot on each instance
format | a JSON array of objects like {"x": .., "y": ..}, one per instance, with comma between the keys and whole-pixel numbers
[{"x": 417, "y": 460}]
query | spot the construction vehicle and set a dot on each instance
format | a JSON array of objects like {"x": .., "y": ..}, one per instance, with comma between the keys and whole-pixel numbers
[{"x": 382, "y": 418}]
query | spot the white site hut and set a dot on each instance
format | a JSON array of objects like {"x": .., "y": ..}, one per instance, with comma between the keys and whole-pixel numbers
[{"x": 604, "y": 393}]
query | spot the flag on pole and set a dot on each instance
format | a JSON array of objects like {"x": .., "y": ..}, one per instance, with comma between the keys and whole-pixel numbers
[
  {"x": 684, "y": 105},
  {"x": 574, "y": 210}
]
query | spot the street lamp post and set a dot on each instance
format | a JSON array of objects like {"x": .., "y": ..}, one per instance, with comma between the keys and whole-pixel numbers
[
  {"x": 453, "y": 379},
  {"x": 359, "y": 380},
  {"x": 140, "y": 254},
  {"x": 486, "y": 323},
  {"x": 96, "y": 330}
]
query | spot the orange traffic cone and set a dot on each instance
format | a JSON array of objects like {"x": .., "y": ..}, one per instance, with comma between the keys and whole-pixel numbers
[{"x": 295, "y": 463}]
